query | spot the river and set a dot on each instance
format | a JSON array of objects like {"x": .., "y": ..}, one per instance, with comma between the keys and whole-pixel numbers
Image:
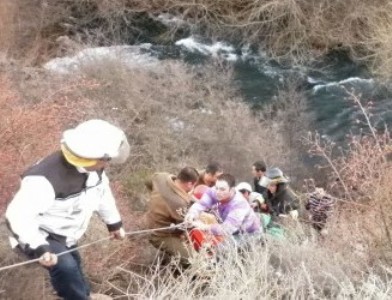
[{"x": 324, "y": 83}]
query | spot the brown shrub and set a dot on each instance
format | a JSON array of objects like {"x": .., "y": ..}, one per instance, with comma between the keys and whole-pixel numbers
[
  {"x": 34, "y": 112},
  {"x": 197, "y": 114},
  {"x": 30, "y": 131},
  {"x": 174, "y": 116},
  {"x": 360, "y": 177},
  {"x": 7, "y": 11},
  {"x": 278, "y": 270}
]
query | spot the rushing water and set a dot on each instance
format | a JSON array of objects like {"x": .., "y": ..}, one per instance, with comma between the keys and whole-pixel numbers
[{"x": 324, "y": 83}]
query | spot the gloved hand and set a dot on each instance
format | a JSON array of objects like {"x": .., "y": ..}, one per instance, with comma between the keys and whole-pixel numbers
[
  {"x": 201, "y": 225},
  {"x": 188, "y": 220},
  {"x": 254, "y": 205},
  {"x": 48, "y": 259},
  {"x": 294, "y": 214},
  {"x": 118, "y": 234}
]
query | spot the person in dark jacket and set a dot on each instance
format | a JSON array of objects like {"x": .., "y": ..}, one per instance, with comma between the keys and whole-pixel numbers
[
  {"x": 209, "y": 175},
  {"x": 258, "y": 171},
  {"x": 281, "y": 200}
]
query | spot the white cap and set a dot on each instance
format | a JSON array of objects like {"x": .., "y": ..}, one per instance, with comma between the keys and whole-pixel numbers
[
  {"x": 254, "y": 196},
  {"x": 97, "y": 139},
  {"x": 244, "y": 186},
  {"x": 264, "y": 181}
]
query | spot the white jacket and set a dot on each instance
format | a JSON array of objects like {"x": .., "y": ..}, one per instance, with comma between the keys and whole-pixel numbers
[{"x": 35, "y": 212}]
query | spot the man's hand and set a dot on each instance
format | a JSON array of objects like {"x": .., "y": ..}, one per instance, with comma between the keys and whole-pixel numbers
[
  {"x": 264, "y": 207},
  {"x": 48, "y": 259},
  {"x": 201, "y": 225},
  {"x": 188, "y": 221},
  {"x": 118, "y": 234}
]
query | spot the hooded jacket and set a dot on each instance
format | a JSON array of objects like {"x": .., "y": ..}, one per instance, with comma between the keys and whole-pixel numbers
[{"x": 168, "y": 203}]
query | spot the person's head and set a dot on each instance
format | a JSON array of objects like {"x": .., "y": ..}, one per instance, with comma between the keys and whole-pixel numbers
[
  {"x": 187, "y": 178},
  {"x": 225, "y": 187},
  {"x": 259, "y": 168},
  {"x": 199, "y": 191},
  {"x": 245, "y": 189},
  {"x": 276, "y": 180},
  {"x": 92, "y": 144},
  {"x": 213, "y": 170}
]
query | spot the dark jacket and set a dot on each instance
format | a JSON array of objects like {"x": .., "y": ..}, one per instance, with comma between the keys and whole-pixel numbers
[
  {"x": 283, "y": 201},
  {"x": 260, "y": 189}
]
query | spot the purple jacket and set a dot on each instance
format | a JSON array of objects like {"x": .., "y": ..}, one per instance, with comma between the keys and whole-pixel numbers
[{"x": 236, "y": 215}]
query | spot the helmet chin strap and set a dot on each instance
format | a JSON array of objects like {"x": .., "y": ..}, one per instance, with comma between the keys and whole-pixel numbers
[{"x": 81, "y": 170}]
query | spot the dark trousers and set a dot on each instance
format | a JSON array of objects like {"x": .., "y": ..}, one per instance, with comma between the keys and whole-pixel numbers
[{"x": 66, "y": 276}]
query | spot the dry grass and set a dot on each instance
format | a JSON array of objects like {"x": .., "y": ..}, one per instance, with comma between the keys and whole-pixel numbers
[
  {"x": 173, "y": 115},
  {"x": 7, "y": 11},
  {"x": 30, "y": 130},
  {"x": 197, "y": 115},
  {"x": 280, "y": 270},
  {"x": 360, "y": 176},
  {"x": 379, "y": 43}
]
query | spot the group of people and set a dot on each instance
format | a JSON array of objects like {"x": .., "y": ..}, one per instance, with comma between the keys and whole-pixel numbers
[
  {"x": 221, "y": 208},
  {"x": 58, "y": 195}
]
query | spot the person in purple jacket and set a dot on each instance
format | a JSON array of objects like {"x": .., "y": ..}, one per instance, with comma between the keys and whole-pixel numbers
[{"x": 234, "y": 213}]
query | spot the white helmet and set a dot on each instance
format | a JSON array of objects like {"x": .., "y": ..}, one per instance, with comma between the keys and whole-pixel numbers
[
  {"x": 254, "y": 196},
  {"x": 97, "y": 139},
  {"x": 244, "y": 186}
]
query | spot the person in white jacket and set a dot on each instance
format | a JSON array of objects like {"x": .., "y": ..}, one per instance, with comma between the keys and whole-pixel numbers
[{"x": 57, "y": 197}]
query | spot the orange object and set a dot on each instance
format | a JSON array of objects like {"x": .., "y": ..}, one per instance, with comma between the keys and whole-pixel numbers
[
  {"x": 200, "y": 238},
  {"x": 199, "y": 191}
]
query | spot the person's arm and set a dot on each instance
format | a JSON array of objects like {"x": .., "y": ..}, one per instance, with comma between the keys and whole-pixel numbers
[
  {"x": 108, "y": 210},
  {"x": 198, "y": 207},
  {"x": 148, "y": 184},
  {"x": 291, "y": 201},
  {"x": 34, "y": 197},
  {"x": 233, "y": 221}
]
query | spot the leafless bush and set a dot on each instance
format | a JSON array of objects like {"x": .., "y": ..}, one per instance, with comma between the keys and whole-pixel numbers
[
  {"x": 29, "y": 130},
  {"x": 293, "y": 29},
  {"x": 177, "y": 115},
  {"x": 288, "y": 115},
  {"x": 360, "y": 175},
  {"x": 279, "y": 270},
  {"x": 297, "y": 30},
  {"x": 174, "y": 115}
]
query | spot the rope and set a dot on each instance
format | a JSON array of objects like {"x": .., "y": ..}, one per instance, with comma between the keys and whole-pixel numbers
[{"x": 27, "y": 262}]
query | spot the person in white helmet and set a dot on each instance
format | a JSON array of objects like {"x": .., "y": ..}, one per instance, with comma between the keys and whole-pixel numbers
[{"x": 57, "y": 197}]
